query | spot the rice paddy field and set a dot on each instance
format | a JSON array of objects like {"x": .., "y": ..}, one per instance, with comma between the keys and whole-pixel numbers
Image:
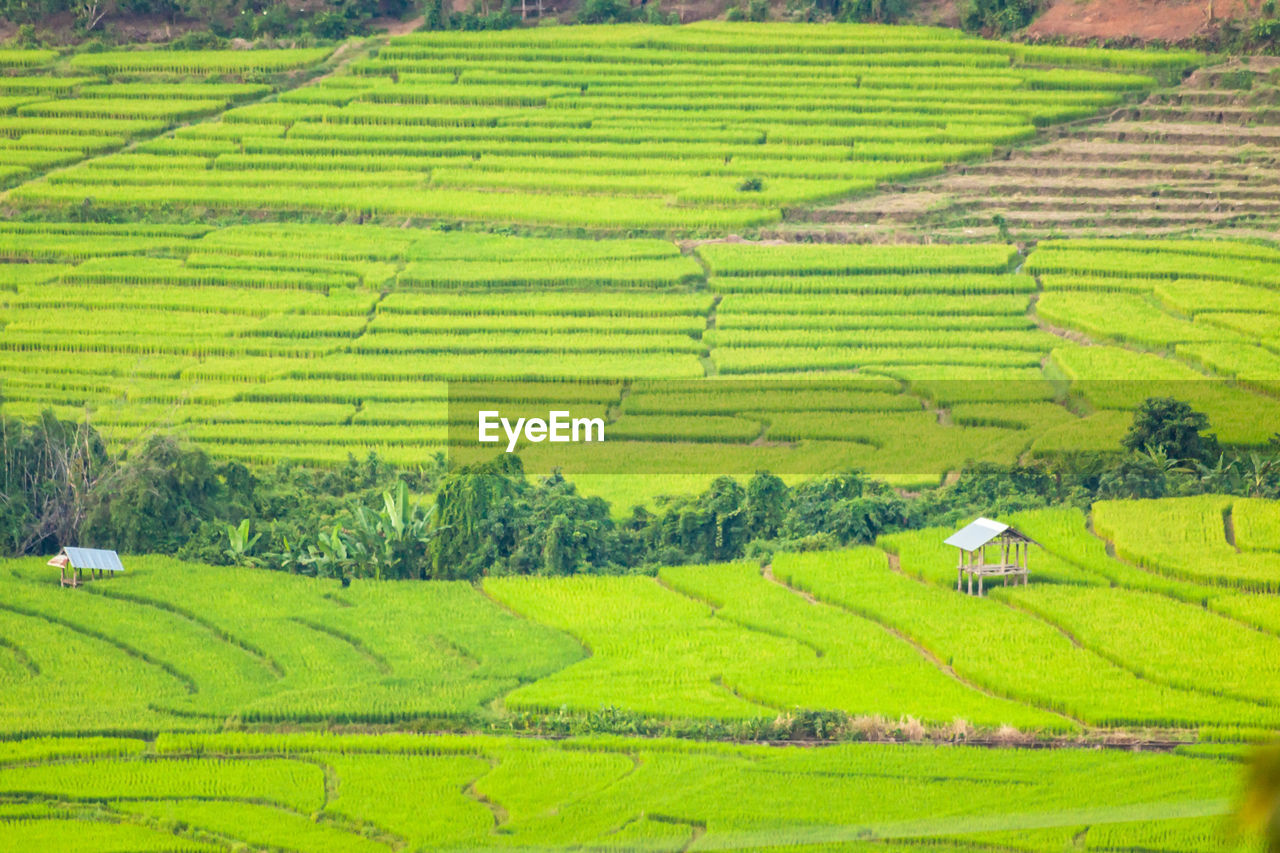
[
  {"x": 904, "y": 361},
  {"x": 178, "y": 704},
  {"x": 305, "y": 254}
]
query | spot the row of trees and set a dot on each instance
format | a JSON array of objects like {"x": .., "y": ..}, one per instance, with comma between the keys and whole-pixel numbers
[
  {"x": 217, "y": 19},
  {"x": 60, "y": 486}
]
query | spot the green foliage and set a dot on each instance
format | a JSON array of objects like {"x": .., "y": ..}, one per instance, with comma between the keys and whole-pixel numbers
[
  {"x": 999, "y": 17},
  {"x": 1174, "y": 427},
  {"x": 154, "y": 500},
  {"x": 607, "y": 12},
  {"x": 49, "y": 466}
]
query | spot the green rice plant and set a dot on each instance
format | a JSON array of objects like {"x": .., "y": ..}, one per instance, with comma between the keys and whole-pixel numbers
[
  {"x": 609, "y": 792},
  {"x": 165, "y": 271},
  {"x": 476, "y": 114},
  {"x": 940, "y": 283},
  {"x": 74, "y": 834},
  {"x": 1037, "y": 416},
  {"x": 1208, "y": 248},
  {"x": 199, "y": 61},
  {"x": 774, "y": 359},
  {"x": 1125, "y": 317},
  {"x": 497, "y": 343},
  {"x": 398, "y": 413},
  {"x": 1250, "y": 365},
  {"x": 1037, "y": 665},
  {"x": 495, "y": 365},
  {"x": 1263, "y": 328},
  {"x": 36, "y": 158},
  {"x": 850, "y": 655},
  {"x": 1092, "y": 284},
  {"x": 1099, "y": 432},
  {"x": 84, "y": 144},
  {"x": 1157, "y": 636},
  {"x": 92, "y": 125},
  {"x": 463, "y": 324},
  {"x": 260, "y": 825},
  {"x": 668, "y": 272},
  {"x": 1256, "y": 524},
  {"x": 167, "y": 109},
  {"x": 729, "y": 259},
  {"x": 188, "y": 90},
  {"x": 549, "y": 305},
  {"x": 25, "y": 57},
  {"x": 730, "y": 319},
  {"x": 1193, "y": 544},
  {"x": 1194, "y": 296},
  {"x": 1034, "y": 341},
  {"x": 1146, "y": 264},
  {"x": 699, "y": 427},
  {"x": 354, "y": 392},
  {"x": 890, "y": 307},
  {"x": 764, "y": 398}
]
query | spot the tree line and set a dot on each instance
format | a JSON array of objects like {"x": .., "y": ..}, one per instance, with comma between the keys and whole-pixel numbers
[{"x": 60, "y": 486}]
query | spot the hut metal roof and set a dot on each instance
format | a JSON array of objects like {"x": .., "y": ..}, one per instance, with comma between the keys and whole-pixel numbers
[
  {"x": 93, "y": 558},
  {"x": 973, "y": 536}
]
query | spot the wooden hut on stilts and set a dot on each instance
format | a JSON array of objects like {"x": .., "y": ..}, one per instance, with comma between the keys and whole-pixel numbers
[{"x": 973, "y": 542}]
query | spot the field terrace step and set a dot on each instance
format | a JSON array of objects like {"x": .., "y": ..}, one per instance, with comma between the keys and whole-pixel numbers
[
  {"x": 1044, "y": 218},
  {"x": 1199, "y": 157},
  {"x": 1231, "y": 114},
  {"x": 1156, "y": 208},
  {"x": 1131, "y": 170},
  {"x": 1266, "y": 187},
  {"x": 1177, "y": 134},
  {"x": 1199, "y": 97}
]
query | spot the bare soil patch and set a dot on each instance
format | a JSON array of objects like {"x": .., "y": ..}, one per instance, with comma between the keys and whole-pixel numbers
[{"x": 1138, "y": 20}]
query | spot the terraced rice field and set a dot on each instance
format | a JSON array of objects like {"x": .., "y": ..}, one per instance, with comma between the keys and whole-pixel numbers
[
  {"x": 141, "y": 742},
  {"x": 727, "y": 357},
  {"x": 192, "y": 708},
  {"x": 57, "y": 112},
  {"x": 873, "y": 632},
  {"x": 1198, "y": 158},
  {"x": 348, "y": 793},
  {"x": 599, "y": 128}
]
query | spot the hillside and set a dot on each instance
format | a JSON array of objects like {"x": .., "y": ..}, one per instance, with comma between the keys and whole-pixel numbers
[
  {"x": 878, "y": 641},
  {"x": 818, "y": 296}
]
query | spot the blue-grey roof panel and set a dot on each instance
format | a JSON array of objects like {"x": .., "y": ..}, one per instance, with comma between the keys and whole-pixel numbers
[
  {"x": 93, "y": 558},
  {"x": 977, "y": 534}
]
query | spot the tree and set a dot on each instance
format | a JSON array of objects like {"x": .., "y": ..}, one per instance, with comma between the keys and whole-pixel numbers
[
  {"x": 1149, "y": 474},
  {"x": 437, "y": 16},
  {"x": 154, "y": 499},
  {"x": 474, "y": 508},
  {"x": 767, "y": 501},
  {"x": 48, "y": 470},
  {"x": 606, "y": 12},
  {"x": 1173, "y": 425},
  {"x": 1000, "y": 17}
]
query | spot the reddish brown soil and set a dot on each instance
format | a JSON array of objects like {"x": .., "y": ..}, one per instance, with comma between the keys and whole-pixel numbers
[{"x": 1142, "y": 20}]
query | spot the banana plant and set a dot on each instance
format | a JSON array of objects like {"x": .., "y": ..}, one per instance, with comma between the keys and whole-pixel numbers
[
  {"x": 394, "y": 540},
  {"x": 240, "y": 543}
]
